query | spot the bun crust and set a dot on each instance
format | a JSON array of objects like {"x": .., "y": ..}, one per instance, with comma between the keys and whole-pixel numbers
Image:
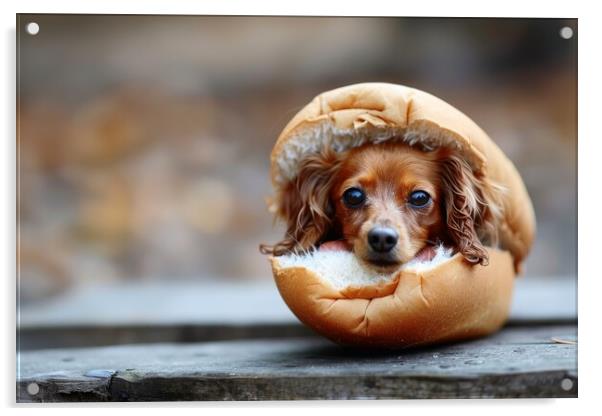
[
  {"x": 376, "y": 112},
  {"x": 450, "y": 302}
]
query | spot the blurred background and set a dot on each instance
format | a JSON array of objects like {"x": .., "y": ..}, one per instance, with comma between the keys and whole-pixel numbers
[{"x": 144, "y": 141}]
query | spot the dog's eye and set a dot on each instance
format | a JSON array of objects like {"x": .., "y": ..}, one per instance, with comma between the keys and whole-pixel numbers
[
  {"x": 419, "y": 199},
  {"x": 354, "y": 197}
]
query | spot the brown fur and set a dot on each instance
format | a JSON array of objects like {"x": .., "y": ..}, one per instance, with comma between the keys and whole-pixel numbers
[
  {"x": 305, "y": 205},
  {"x": 472, "y": 209},
  {"x": 463, "y": 213}
]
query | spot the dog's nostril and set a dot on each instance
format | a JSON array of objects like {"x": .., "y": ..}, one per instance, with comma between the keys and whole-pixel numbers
[{"x": 382, "y": 239}]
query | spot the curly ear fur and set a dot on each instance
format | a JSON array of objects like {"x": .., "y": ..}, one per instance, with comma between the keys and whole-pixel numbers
[
  {"x": 305, "y": 204},
  {"x": 472, "y": 209}
]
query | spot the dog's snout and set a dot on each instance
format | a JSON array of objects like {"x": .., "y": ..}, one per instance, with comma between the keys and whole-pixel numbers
[{"x": 382, "y": 239}]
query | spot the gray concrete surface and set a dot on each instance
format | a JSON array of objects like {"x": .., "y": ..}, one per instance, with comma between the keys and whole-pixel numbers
[{"x": 164, "y": 302}]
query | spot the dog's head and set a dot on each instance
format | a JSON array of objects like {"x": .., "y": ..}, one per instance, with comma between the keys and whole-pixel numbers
[{"x": 388, "y": 202}]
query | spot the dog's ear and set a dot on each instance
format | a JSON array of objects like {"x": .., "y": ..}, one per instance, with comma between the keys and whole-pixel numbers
[
  {"x": 472, "y": 209},
  {"x": 305, "y": 204}
]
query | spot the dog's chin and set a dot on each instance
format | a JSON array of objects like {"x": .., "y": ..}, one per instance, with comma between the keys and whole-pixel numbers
[{"x": 384, "y": 265}]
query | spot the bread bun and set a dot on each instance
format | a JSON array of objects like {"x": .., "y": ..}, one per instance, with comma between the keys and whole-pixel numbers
[{"x": 442, "y": 300}]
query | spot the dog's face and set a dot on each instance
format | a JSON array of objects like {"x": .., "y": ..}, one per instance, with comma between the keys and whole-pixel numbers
[{"x": 387, "y": 202}]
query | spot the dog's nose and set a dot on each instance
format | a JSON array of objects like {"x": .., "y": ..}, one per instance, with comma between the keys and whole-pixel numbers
[{"x": 382, "y": 239}]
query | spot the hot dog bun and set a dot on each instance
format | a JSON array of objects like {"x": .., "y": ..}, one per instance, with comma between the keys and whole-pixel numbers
[
  {"x": 437, "y": 302},
  {"x": 447, "y": 301}
]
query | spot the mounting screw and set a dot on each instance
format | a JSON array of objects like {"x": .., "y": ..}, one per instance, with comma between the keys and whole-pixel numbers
[
  {"x": 32, "y": 28},
  {"x": 566, "y": 32},
  {"x": 33, "y": 389},
  {"x": 566, "y": 384}
]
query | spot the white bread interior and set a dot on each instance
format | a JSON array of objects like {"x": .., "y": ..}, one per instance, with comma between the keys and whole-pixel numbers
[{"x": 342, "y": 269}]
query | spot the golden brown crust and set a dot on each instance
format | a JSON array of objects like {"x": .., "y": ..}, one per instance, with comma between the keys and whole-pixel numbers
[
  {"x": 452, "y": 301},
  {"x": 370, "y": 110}
]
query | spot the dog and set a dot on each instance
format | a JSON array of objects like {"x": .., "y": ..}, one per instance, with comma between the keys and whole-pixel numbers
[{"x": 389, "y": 203}]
